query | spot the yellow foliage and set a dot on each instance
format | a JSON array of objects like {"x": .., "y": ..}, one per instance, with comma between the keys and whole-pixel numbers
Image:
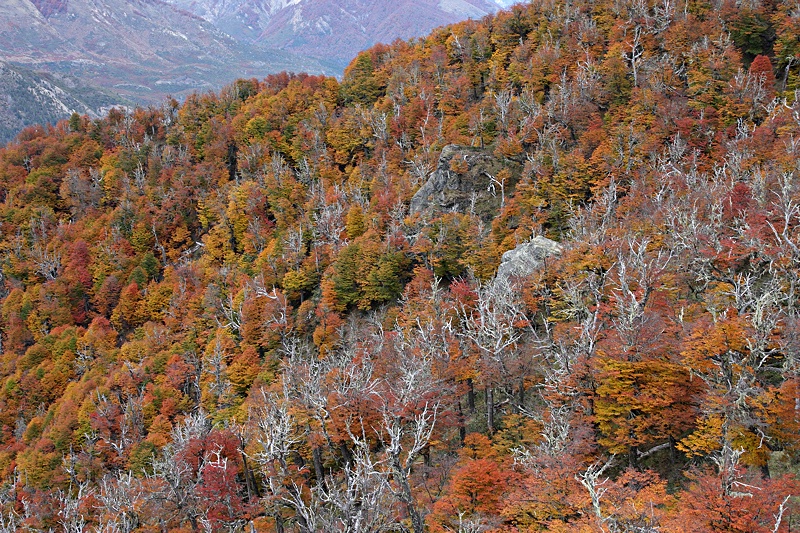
[{"x": 706, "y": 438}]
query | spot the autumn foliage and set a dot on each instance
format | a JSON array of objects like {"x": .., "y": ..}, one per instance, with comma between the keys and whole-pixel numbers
[{"x": 223, "y": 314}]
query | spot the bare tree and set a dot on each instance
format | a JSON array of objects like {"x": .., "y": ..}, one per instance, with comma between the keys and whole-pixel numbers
[
  {"x": 595, "y": 484},
  {"x": 502, "y": 107},
  {"x": 70, "y": 515},
  {"x": 9, "y": 522},
  {"x": 43, "y": 251},
  {"x": 410, "y": 399},
  {"x": 636, "y": 52},
  {"x": 276, "y": 437},
  {"x": 176, "y": 479},
  {"x": 121, "y": 499},
  {"x": 496, "y": 325},
  {"x": 357, "y": 499}
]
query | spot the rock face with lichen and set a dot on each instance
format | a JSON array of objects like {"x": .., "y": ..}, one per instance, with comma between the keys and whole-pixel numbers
[
  {"x": 467, "y": 180},
  {"x": 527, "y": 258}
]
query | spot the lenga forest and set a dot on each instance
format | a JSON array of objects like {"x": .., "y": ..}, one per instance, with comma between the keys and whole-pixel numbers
[{"x": 278, "y": 307}]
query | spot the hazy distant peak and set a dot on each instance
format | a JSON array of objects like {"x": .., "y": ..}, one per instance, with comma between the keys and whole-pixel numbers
[
  {"x": 336, "y": 30},
  {"x": 463, "y": 8}
]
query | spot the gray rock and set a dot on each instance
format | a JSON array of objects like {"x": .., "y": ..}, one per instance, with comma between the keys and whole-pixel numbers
[
  {"x": 527, "y": 258},
  {"x": 462, "y": 182}
]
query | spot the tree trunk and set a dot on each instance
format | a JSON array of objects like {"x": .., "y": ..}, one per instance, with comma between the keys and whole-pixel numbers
[
  {"x": 318, "y": 470},
  {"x": 462, "y": 429},
  {"x": 470, "y": 396},
  {"x": 250, "y": 480},
  {"x": 672, "y": 455},
  {"x": 633, "y": 457},
  {"x": 490, "y": 409},
  {"x": 405, "y": 495},
  {"x": 346, "y": 454}
]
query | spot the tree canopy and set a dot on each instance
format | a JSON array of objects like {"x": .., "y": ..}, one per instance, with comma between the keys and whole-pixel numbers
[{"x": 225, "y": 315}]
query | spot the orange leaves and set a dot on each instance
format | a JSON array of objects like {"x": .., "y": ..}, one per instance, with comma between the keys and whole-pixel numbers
[
  {"x": 640, "y": 403},
  {"x": 782, "y": 413},
  {"x": 547, "y": 495},
  {"x": 734, "y": 402},
  {"x": 128, "y": 313},
  {"x": 706, "y": 438},
  {"x": 707, "y": 347},
  {"x": 476, "y": 489},
  {"x": 746, "y": 503},
  {"x": 638, "y": 499},
  {"x": 243, "y": 370}
]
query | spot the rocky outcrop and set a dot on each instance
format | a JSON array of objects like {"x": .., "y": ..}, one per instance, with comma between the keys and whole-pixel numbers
[
  {"x": 466, "y": 180},
  {"x": 527, "y": 258}
]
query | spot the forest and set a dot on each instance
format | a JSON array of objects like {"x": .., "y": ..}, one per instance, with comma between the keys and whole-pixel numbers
[{"x": 276, "y": 308}]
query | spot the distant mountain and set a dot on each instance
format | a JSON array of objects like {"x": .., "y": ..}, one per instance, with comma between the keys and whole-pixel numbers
[
  {"x": 28, "y": 97},
  {"x": 143, "y": 49},
  {"x": 332, "y": 30},
  {"x": 243, "y": 19}
]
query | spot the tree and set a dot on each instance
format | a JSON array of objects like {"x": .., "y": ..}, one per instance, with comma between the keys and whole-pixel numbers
[
  {"x": 732, "y": 499},
  {"x": 496, "y": 325},
  {"x": 476, "y": 488}
]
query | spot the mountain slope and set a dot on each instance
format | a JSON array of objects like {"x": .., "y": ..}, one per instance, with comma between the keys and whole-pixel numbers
[
  {"x": 144, "y": 49},
  {"x": 340, "y": 29},
  {"x": 28, "y": 98},
  {"x": 279, "y": 307},
  {"x": 244, "y": 19},
  {"x": 332, "y": 30}
]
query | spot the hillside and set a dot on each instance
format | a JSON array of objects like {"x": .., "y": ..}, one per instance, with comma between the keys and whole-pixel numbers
[
  {"x": 141, "y": 49},
  {"x": 30, "y": 98},
  {"x": 338, "y": 30},
  {"x": 536, "y": 272},
  {"x": 332, "y": 31}
]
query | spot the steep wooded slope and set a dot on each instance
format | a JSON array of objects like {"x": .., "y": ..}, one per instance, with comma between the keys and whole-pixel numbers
[{"x": 231, "y": 297}]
